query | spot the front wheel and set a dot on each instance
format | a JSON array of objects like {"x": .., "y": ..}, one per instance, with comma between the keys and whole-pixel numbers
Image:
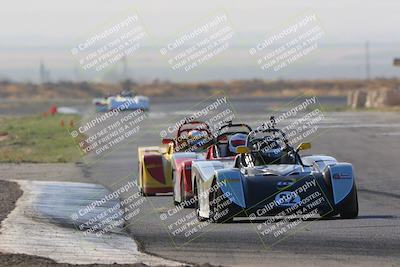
[
  {"x": 219, "y": 206},
  {"x": 176, "y": 203},
  {"x": 351, "y": 209},
  {"x": 197, "y": 204},
  {"x": 189, "y": 202}
]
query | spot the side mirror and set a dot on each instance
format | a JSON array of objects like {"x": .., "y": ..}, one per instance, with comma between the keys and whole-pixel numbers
[
  {"x": 166, "y": 141},
  {"x": 242, "y": 150},
  {"x": 304, "y": 146}
]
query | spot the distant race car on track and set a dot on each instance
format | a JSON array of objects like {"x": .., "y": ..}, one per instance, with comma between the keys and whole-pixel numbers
[
  {"x": 268, "y": 177},
  {"x": 156, "y": 164},
  {"x": 223, "y": 148},
  {"x": 123, "y": 101}
]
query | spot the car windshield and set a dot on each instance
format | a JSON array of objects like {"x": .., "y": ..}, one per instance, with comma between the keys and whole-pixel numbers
[
  {"x": 190, "y": 143},
  {"x": 273, "y": 157},
  {"x": 271, "y": 151}
]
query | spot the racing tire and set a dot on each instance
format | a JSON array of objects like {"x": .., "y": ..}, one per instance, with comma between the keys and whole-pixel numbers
[
  {"x": 196, "y": 204},
  {"x": 219, "y": 213},
  {"x": 190, "y": 201},
  {"x": 141, "y": 185},
  {"x": 350, "y": 210},
  {"x": 140, "y": 182},
  {"x": 141, "y": 193},
  {"x": 176, "y": 203},
  {"x": 182, "y": 199}
]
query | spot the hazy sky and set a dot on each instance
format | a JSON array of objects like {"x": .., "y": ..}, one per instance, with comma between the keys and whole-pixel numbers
[
  {"x": 31, "y": 31},
  {"x": 48, "y": 22}
]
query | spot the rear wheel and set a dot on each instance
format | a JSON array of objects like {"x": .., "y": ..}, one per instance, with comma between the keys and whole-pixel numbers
[
  {"x": 141, "y": 192},
  {"x": 141, "y": 184},
  {"x": 140, "y": 180}
]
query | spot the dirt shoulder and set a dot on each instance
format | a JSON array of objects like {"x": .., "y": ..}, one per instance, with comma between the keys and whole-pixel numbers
[{"x": 9, "y": 194}]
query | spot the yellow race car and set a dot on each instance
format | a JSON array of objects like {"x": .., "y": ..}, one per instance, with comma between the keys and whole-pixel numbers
[{"x": 156, "y": 163}]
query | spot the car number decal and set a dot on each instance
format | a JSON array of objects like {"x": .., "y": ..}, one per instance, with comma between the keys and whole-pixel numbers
[{"x": 287, "y": 198}]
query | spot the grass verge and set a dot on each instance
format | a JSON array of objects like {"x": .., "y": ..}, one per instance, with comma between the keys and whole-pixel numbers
[{"x": 37, "y": 139}]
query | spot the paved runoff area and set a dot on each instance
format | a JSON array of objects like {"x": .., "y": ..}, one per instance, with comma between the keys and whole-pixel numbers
[{"x": 41, "y": 225}]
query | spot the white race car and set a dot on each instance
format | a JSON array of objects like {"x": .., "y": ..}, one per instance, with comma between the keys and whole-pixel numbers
[
  {"x": 270, "y": 177},
  {"x": 122, "y": 101}
]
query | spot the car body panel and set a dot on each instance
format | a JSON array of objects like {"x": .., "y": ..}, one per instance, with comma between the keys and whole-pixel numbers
[
  {"x": 180, "y": 165},
  {"x": 154, "y": 173},
  {"x": 211, "y": 155},
  {"x": 342, "y": 179},
  {"x": 253, "y": 188},
  {"x": 157, "y": 164},
  {"x": 128, "y": 103},
  {"x": 121, "y": 102}
]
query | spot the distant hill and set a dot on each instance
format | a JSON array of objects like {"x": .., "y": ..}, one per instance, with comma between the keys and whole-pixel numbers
[{"x": 247, "y": 88}]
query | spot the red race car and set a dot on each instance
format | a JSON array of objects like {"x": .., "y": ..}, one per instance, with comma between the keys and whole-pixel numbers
[
  {"x": 156, "y": 164},
  {"x": 223, "y": 148}
]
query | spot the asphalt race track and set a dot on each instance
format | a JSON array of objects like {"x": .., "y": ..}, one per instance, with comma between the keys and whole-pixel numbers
[{"x": 369, "y": 140}]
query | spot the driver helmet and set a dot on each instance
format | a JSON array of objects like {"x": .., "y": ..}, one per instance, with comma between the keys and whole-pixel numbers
[
  {"x": 236, "y": 140},
  {"x": 195, "y": 138},
  {"x": 126, "y": 93}
]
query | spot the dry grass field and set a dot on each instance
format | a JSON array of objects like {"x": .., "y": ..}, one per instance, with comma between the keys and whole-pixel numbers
[{"x": 248, "y": 88}]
